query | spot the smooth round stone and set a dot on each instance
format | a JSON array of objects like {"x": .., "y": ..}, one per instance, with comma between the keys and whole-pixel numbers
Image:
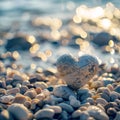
[
  {"x": 2, "y": 92},
  {"x": 23, "y": 89},
  {"x": 83, "y": 94},
  {"x": 77, "y": 72},
  {"x": 66, "y": 107},
  {"x": 111, "y": 111},
  {"x": 63, "y": 91},
  {"x": 84, "y": 115},
  {"x": 44, "y": 113},
  {"x": 103, "y": 90},
  {"x": 13, "y": 91},
  {"x": 7, "y": 99},
  {"x": 64, "y": 115},
  {"x": 105, "y": 96},
  {"x": 117, "y": 116},
  {"x": 97, "y": 113},
  {"x": 90, "y": 100},
  {"x": 57, "y": 109},
  {"x": 114, "y": 95},
  {"x": 74, "y": 102},
  {"x": 111, "y": 104},
  {"x": 76, "y": 114},
  {"x": 108, "y": 81},
  {"x": 41, "y": 85},
  {"x": 101, "y": 101},
  {"x": 5, "y": 115},
  {"x": 31, "y": 93},
  {"x": 19, "y": 112},
  {"x": 117, "y": 88},
  {"x": 19, "y": 99}
]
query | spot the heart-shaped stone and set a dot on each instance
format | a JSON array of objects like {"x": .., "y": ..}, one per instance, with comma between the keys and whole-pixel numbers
[{"x": 77, "y": 72}]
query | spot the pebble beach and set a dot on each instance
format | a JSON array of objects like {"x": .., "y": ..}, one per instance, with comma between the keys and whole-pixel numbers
[{"x": 59, "y": 60}]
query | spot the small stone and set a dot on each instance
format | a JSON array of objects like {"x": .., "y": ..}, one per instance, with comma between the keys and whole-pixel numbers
[
  {"x": 7, "y": 99},
  {"x": 84, "y": 115},
  {"x": 57, "y": 109},
  {"x": 23, "y": 89},
  {"x": 90, "y": 100},
  {"x": 66, "y": 107},
  {"x": 31, "y": 93},
  {"x": 19, "y": 99},
  {"x": 97, "y": 113},
  {"x": 111, "y": 111},
  {"x": 117, "y": 116},
  {"x": 2, "y": 92},
  {"x": 74, "y": 102},
  {"x": 13, "y": 91},
  {"x": 83, "y": 94},
  {"x": 41, "y": 85},
  {"x": 5, "y": 115},
  {"x": 101, "y": 101},
  {"x": 76, "y": 114},
  {"x": 117, "y": 88},
  {"x": 114, "y": 95},
  {"x": 19, "y": 112},
  {"x": 44, "y": 113},
  {"x": 63, "y": 91}
]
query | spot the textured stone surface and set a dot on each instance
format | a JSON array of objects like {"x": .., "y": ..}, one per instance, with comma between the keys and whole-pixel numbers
[{"x": 76, "y": 73}]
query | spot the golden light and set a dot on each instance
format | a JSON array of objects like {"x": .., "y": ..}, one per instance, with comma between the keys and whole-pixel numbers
[
  {"x": 31, "y": 39},
  {"x": 83, "y": 34},
  {"x": 55, "y": 35},
  {"x": 112, "y": 51},
  {"x": 112, "y": 60},
  {"x": 105, "y": 23},
  {"x": 48, "y": 53},
  {"x": 15, "y": 55},
  {"x": 111, "y": 43},
  {"x": 33, "y": 66},
  {"x": 34, "y": 48},
  {"x": 77, "y": 19},
  {"x": 42, "y": 56},
  {"x": 55, "y": 24}
]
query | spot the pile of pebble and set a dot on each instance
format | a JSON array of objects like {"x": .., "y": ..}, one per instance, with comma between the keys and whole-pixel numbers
[{"x": 40, "y": 97}]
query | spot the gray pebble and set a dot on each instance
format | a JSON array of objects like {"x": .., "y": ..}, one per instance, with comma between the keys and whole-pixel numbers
[
  {"x": 101, "y": 101},
  {"x": 66, "y": 107},
  {"x": 19, "y": 112},
  {"x": 117, "y": 116},
  {"x": 76, "y": 114},
  {"x": 44, "y": 113},
  {"x": 84, "y": 115},
  {"x": 63, "y": 91},
  {"x": 97, "y": 113},
  {"x": 117, "y": 88},
  {"x": 57, "y": 109}
]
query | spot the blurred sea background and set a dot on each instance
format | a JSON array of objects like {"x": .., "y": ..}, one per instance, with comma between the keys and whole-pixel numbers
[{"x": 35, "y": 33}]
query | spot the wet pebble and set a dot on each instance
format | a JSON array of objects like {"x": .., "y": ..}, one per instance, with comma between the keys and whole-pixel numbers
[
  {"x": 57, "y": 109},
  {"x": 111, "y": 112},
  {"x": 19, "y": 112},
  {"x": 13, "y": 91},
  {"x": 41, "y": 85},
  {"x": 84, "y": 115},
  {"x": 114, "y": 95},
  {"x": 31, "y": 93},
  {"x": 117, "y": 88},
  {"x": 83, "y": 94},
  {"x": 76, "y": 114},
  {"x": 117, "y": 116},
  {"x": 74, "y": 102},
  {"x": 7, "y": 99},
  {"x": 97, "y": 113},
  {"x": 66, "y": 107},
  {"x": 63, "y": 91},
  {"x": 101, "y": 101},
  {"x": 44, "y": 113},
  {"x": 23, "y": 89},
  {"x": 5, "y": 115}
]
